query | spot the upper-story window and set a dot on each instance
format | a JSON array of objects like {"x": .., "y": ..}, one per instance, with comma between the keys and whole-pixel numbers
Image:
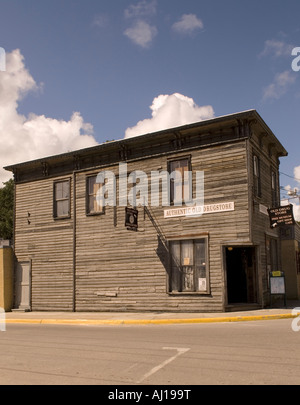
[
  {"x": 61, "y": 199},
  {"x": 274, "y": 187},
  {"x": 93, "y": 204},
  {"x": 256, "y": 176},
  {"x": 180, "y": 181}
]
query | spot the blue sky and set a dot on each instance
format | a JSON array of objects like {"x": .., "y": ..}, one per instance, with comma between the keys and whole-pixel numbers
[{"x": 109, "y": 60}]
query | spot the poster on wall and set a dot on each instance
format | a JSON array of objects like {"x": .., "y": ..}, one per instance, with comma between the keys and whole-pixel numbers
[
  {"x": 277, "y": 284},
  {"x": 202, "y": 284},
  {"x": 131, "y": 219}
]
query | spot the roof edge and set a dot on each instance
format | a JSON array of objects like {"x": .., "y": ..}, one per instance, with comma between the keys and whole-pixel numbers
[{"x": 237, "y": 115}]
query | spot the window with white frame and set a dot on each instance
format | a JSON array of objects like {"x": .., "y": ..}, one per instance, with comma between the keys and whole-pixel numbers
[{"x": 189, "y": 266}]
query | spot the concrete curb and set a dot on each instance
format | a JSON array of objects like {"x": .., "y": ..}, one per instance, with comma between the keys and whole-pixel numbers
[{"x": 151, "y": 321}]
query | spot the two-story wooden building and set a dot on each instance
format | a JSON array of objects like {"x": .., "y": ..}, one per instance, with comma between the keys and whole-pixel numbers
[{"x": 75, "y": 253}]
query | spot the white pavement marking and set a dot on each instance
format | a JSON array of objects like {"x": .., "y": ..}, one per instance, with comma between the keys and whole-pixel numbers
[{"x": 180, "y": 350}]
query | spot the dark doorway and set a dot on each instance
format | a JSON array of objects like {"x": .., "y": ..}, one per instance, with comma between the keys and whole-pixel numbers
[{"x": 241, "y": 275}]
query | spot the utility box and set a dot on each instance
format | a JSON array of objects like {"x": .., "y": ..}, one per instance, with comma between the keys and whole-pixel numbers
[{"x": 6, "y": 278}]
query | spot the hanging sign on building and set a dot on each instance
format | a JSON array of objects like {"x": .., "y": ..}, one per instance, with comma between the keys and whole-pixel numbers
[
  {"x": 281, "y": 216},
  {"x": 131, "y": 219}
]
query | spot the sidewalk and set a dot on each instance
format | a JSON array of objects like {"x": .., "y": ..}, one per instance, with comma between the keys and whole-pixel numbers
[{"x": 148, "y": 318}]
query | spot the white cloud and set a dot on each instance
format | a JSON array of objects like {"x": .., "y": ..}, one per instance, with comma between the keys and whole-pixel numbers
[
  {"x": 276, "y": 48},
  {"x": 188, "y": 24},
  {"x": 280, "y": 85},
  {"x": 296, "y": 208},
  {"x": 291, "y": 198},
  {"x": 100, "y": 21},
  {"x": 296, "y": 211},
  {"x": 25, "y": 138},
  {"x": 141, "y": 33},
  {"x": 170, "y": 111},
  {"x": 141, "y": 9},
  {"x": 297, "y": 173}
]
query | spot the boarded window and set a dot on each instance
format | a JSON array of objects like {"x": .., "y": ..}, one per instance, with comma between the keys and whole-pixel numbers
[
  {"x": 61, "y": 207},
  {"x": 94, "y": 205},
  {"x": 256, "y": 176},
  {"x": 274, "y": 187},
  {"x": 189, "y": 267},
  {"x": 180, "y": 181}
]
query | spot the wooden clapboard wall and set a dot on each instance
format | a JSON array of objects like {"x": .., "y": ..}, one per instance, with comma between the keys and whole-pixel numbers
[
  {"x": 93, "y": 263},
  {"x": 121, "y": 270},
  {"x": 117, "y": 269},
  {"x": 46, "y": 243},
  {"x": 260, "y": 222}
]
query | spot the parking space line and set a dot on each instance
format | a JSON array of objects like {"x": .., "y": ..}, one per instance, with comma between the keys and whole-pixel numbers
[{"x": 180, "y": 351}]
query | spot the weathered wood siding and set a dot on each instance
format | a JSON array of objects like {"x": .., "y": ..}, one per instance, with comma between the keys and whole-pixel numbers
[
  {"x": 121, "y": 270},
  {"x": 47, "y": 243},
  {"x": 93, "y": 263},
  {"x": 260, "y": 222}
]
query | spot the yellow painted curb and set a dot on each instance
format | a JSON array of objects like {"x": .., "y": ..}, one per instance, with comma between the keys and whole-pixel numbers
[{"x": 150, "y": 321}]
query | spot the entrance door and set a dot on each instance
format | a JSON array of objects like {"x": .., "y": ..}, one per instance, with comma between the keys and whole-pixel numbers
[
  {"x": 241, "y": 275},
  {"x": 23, "y": 286}
]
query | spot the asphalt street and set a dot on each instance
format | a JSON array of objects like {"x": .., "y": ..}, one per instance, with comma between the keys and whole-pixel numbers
[{"x": 222, "y": 353}]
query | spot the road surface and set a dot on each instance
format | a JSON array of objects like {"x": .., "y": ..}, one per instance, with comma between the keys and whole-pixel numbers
[{"x": 257, "y": 352}]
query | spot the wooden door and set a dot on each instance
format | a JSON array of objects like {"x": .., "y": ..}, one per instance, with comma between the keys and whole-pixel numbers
[{"x": 23, "y": 286}]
